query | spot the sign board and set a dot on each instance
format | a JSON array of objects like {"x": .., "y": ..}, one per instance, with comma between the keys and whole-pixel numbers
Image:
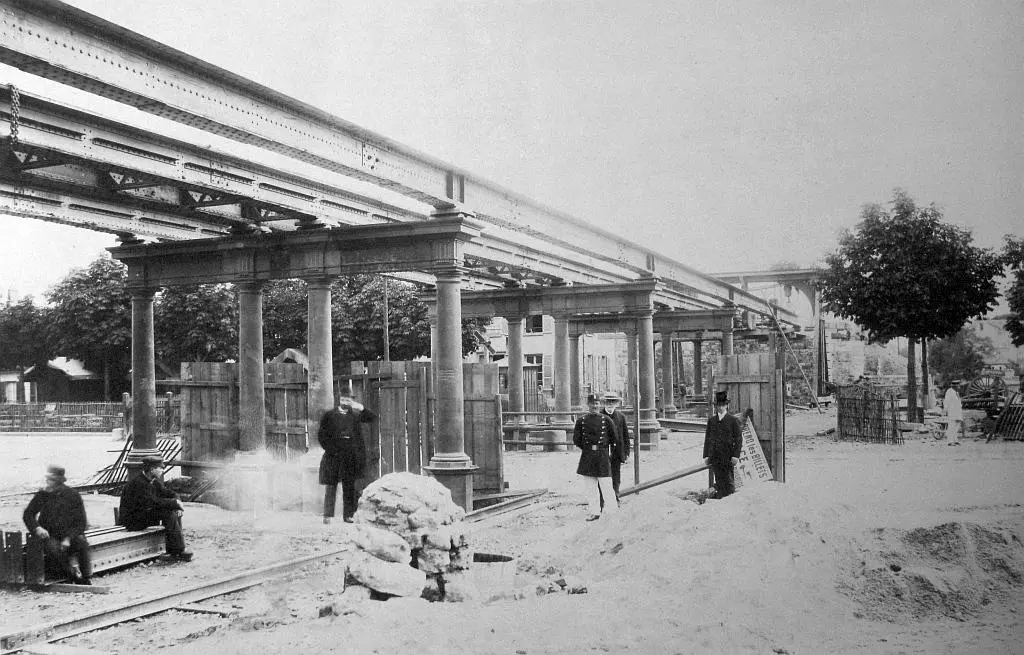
[{"x": 753, "y": 467}]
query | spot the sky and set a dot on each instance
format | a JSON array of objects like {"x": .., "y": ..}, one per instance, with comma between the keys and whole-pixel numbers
[{"x": 727, "y": 136}]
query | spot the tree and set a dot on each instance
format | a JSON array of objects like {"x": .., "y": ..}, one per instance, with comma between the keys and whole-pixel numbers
[
  {"x": 904, "y": 272},
  {"x": 284, "y": 316},
  {"x": 195, "y": 324},
  {"x": 24, "y": 339},
  {"x": 91, "y": 319},
  {"x": 1013, "y": 257},
  {"x": 961, "y": 356}
]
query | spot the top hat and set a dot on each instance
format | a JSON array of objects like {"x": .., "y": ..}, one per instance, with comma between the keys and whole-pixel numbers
[
  {"x": 611, "y": 395},
  {"x": 593, "y": 398},
  {"x": 721, "y": 398}
]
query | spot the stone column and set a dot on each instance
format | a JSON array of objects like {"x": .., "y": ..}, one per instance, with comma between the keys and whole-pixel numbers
[
  {"x": 668, "y": 406},
  {"x": 432, "y": 319},
  {"x": 727, "y": 343},
  {"x": 320, "y": 390},
  {"x": 516, "y": 396},
  {"x": 450, "y": 464},
  {"x": 561, "y": 372},
  {"x": 630, "y": 396},
  {"x": 698, "y": 367},
  {"x": 649, "y": 427},
  {"x": 575, "y": 397},
  {"x": 143, "y": 381},
  {"x": 251, "y": 395}
]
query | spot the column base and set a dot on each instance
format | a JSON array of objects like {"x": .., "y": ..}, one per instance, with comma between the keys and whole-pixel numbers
[
  {"x": 670, "y": 411},
  {"x": 650, "y": 434},
  {"x": 248, "y": 481},
  {"x": 459, "y": 481},
  {"x": 133, "y": 462}
]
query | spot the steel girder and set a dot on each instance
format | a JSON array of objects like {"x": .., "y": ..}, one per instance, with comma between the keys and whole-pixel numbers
[{"x": 53, "y": 40}]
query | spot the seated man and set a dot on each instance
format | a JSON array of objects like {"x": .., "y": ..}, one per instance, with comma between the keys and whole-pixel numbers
[
  {"x": 57, "y": 516},
  {"x": 145, "y": 501}
]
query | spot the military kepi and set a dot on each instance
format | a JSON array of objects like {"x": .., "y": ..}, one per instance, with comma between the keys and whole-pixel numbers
[
  {"x": 152, "y": 460},
  {"x": 593, "y": 398},
  {"x": 721, "y": 398}
]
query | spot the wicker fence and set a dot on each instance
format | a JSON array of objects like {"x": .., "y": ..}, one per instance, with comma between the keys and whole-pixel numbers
[
  {"x": 866, "y": 413},
  {"x": 84, "y": 417}
]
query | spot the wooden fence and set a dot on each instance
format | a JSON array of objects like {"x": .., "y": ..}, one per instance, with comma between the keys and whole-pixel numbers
[{"x": 868, "y": 414}]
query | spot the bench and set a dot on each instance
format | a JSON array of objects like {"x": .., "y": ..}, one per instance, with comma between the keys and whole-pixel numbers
[{"x": 22, "y": 560}]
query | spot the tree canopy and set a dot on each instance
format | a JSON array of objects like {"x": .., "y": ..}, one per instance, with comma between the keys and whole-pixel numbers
[
  {"x": 196, "y": 324},
  {"x": 24, "y": 339},
  {"x": 90, "y": 318},
  {"x": 904, "y": 272},
  {"x": 961, "y": 356},
  {"x": 1013, "y": 257}
]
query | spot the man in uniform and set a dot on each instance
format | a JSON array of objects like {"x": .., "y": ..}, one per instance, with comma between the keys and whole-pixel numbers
[
  {"x": 594, "y": 434},
  {"x": 621, "y": 454},
  {"x": 146, "y": 501},
  {"x": 723, "y": 442},
  {"x": 56, "y": 515},
  {"x": 344, "y": 454}
]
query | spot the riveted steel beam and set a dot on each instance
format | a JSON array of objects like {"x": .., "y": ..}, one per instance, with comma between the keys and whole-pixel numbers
[{"x": 53, "y": 40}]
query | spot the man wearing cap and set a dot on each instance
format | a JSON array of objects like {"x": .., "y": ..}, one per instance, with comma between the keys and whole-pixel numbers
[
  {"x": 344, "y": 457},
  {"x": 146, "y": 501},
  {"x": 56, "y": 515},
  {"x": 594, "y": 434},
  {"x": 620, "y": 455},
  {"x": 723, "y": 441}
]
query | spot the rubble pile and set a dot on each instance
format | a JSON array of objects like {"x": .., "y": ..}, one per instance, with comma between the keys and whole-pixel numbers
[{"x": 411, "y": 540}]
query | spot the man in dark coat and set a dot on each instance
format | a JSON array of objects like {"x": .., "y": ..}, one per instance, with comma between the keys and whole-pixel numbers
[
  {"x": 146, "y": 501},
  {"x": 723, "y": 441},
  {"x": 594, "y": 434},
  {"x": 344, "y": 455},
  {"x": 621, "y": 454},
  {"x": 56, "y": 515}
]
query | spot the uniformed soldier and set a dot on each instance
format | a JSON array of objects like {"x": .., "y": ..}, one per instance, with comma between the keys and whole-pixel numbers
[{"x": 595, "y": 434}]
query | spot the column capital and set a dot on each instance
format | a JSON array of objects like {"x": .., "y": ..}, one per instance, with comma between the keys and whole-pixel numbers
[
  {"x": 250, "y": 286},
  {"x": 319, "y": 281},
  {"x": 142, "y": 293},
  {"x": 447, "y": 271}
]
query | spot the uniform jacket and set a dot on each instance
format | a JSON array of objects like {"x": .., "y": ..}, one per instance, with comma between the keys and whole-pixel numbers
[
  {"x": 594, "y": 435},
  {"x": 145, "y": 501},
  {"x": 60, "y": 512},
  {"x": 342, "y": 440},
  {"x": 625, "y": 441},
  {"x": 723, "y": 439}
]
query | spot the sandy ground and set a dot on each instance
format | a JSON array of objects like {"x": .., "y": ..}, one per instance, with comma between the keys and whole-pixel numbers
[{"x": 867, "y": 548}]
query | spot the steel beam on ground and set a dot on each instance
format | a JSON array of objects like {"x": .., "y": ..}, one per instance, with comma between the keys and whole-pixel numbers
[{"x": 53, "y": 40}]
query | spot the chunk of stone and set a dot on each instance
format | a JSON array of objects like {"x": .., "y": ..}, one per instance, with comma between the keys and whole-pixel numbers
[
  {"x": 382, "y": 544},
  {"x": 459, "y": 588},
  {"x": 386, "y": 577}
]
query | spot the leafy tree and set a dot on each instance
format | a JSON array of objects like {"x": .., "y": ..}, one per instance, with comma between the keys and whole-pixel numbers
[
  {"x": 196, "y": 324},
  {"x": 961, "y": 356},
  {"x": 24, "y": 339},
  {"x": 91, "y": 319},
  {"x": 1013, "y": 257},
  {"x": 285, "y": 312},
  {"x": 904, "y": 272}
]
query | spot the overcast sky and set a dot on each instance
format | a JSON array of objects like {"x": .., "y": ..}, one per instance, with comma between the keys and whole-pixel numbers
[{"x": 729, "y": 136}]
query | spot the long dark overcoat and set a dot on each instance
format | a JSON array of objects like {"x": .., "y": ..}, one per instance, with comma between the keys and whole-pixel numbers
[
  {"x": 342, "y": 440},
  {"x": 594, "y": 435},
  {"x": 723, "y": 439}
]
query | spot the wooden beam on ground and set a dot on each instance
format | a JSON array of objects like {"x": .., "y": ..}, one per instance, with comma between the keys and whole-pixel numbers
[
  {"x": 199, "y": 609},
  {"x": 44, "y": 648},
  {"x": 507, "y": 506},
  {"x": 74, "y": 588},
  {"x": 662, "y": 480}
]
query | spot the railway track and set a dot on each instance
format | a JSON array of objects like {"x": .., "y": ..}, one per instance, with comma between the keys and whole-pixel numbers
[{"x": 28, "y": 638}]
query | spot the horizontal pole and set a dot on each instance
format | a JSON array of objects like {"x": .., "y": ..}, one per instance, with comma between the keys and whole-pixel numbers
[{"x": 663, "y": 479}]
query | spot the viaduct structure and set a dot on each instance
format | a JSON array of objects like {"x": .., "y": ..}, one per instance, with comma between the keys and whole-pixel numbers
[{"x": 329, "y": 198}]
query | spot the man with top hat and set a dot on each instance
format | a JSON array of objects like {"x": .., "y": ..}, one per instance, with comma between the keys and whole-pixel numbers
[
  {"x": 723, "y": 441},
  {"x": 146, "y": 501},
  {"x": 594, "y": 434},
  {"x": 620, "y": 455},
  {"x": 56, "y": 515}
]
